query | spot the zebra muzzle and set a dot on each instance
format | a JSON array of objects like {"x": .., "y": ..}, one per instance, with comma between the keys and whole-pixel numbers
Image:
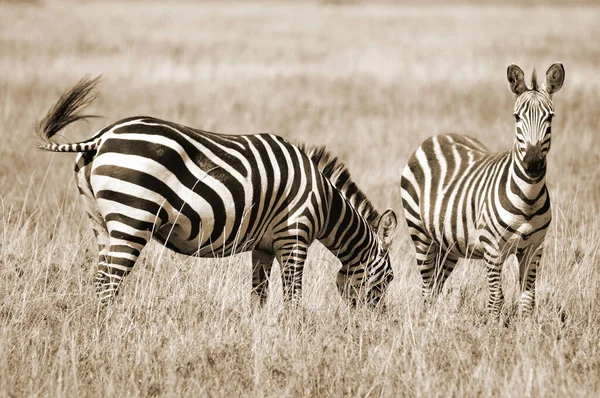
[{"x": 534, "y": 161}]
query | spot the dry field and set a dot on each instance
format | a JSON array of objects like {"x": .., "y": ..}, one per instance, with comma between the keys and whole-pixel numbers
[{"x": 370, "y": 82}]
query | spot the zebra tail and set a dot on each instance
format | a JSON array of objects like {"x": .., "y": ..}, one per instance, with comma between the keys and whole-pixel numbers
[{"x": 68, "y": 109}]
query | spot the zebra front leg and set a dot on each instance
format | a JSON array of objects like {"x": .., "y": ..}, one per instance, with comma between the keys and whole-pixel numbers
[
  {"x": 262, "y": 262},
  {"x": 496, "y": 297},
  {"x": 291, "y": 258},
  {"x": 528, "y": 263}
]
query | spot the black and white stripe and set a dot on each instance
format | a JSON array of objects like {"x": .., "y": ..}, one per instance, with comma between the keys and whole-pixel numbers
[
  {"x": 460, "y": 200},
  {"x": 208, "y": 195}
]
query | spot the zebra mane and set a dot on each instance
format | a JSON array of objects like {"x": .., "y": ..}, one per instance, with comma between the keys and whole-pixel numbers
[
  {"x": 337, "y": 173},
  {"x": 534, "y": 82}
]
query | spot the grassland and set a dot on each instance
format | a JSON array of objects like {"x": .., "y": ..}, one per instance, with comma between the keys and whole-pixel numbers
[{"x": 370, "y": 82}]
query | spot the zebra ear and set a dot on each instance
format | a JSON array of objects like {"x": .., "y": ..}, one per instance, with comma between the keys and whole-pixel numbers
[
  {"x": 555, "y": 77},
  {"x": 386, "y": 227},
  {"x": 516, "y": 79}
]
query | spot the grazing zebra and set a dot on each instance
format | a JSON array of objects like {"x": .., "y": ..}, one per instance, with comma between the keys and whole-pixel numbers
[
  {"x": 213, "y": 195},
  {"x": 461, "y": 200}
]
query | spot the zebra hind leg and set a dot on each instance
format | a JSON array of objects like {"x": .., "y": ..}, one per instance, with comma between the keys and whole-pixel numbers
[
  {"x": 102, "y": 280},
  {"x": 427, "y": 251},
  {"x": 123, "y": 251},
  {"x": 102, "y": 236},
  {"x": 446, "y": 263},
  {"x": 262, "y": 262},
  {"x": 427, "y": 255},
  {"x": 96, "y": 219}
]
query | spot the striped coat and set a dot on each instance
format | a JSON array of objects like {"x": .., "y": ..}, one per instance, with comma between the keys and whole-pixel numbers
[
  {"x": 461, "y": 200},
  {"x": 213, "y": 195}
]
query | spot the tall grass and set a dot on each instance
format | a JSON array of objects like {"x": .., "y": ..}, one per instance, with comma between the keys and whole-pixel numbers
[{"x": 370, "y": 81}]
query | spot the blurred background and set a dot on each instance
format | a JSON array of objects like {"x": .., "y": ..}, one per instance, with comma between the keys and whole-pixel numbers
[{"x": 369, "y": 79}]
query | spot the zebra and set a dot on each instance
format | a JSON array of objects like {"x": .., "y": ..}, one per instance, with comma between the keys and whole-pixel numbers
[
  {"x": 205, "y": 194},
  {"x": 462, "y": 201}
]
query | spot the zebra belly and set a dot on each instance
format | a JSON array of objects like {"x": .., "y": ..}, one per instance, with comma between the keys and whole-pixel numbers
[
  {"x": 175, "y": 237},
  {"x": 482, "y": 241},
  {"x": 210, "y": 228},
  {"x": 464, "y": 247}
]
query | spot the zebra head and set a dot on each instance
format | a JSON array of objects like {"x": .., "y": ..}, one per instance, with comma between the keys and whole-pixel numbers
[
  {"x": 367, "y": 278},
  {"x": 533, "y": 116},
  {"x": 379, "y": 267}
]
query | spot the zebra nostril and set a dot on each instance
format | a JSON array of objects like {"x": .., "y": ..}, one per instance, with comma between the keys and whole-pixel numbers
[
  {"x": 534, "y": 163},
  {"x": 535, "y": 167},
  {"x": 534, "y": 160}
]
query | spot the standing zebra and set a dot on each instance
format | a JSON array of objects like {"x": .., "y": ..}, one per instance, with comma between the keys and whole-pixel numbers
[
  {"x": 461, "y": 200},
  {"x": 213, "y": 195}
]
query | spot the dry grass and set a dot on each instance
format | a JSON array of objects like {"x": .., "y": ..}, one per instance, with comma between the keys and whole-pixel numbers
[{"x": 369, "y": 81}]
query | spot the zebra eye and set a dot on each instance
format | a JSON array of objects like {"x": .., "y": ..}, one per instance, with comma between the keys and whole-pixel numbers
[
  {"x": 517, "y": 118},
  {"x": 549, "y": 119}
]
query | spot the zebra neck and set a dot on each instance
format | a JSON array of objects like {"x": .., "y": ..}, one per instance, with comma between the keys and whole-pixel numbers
[
  {"x": 528, "y": 188},
  {"x": 346, "y": 234}
]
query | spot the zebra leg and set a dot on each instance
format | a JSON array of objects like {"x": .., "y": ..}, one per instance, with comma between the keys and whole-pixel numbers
[
  {"x": 426, "y": 250},
  {"x": 496, "y": 297},
  {"x": 291, "y": 258},
  {"x": 262, "y": 262},
  {"x": 528, "y": 263},
  {"x": 123, "y": 252},
  {"x": 96, "y": 219},
  {"x": 448, "y": 262},
  {"x": 427, "y": 261},
  {"x": 102, "y": 237}
]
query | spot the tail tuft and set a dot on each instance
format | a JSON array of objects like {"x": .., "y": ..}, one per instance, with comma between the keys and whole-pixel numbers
[{"x": 66, "y": 111}]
